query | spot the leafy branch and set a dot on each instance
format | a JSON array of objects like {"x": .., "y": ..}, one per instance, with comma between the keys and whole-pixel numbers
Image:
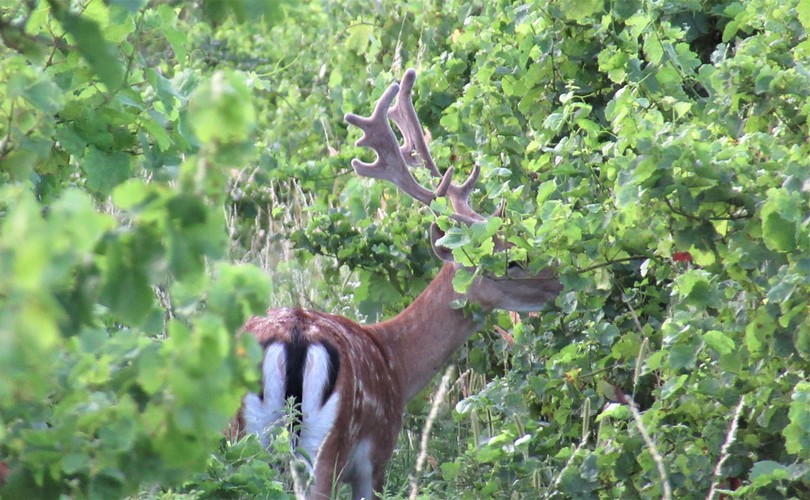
[
  {"x": 611, "y": 262},
  {"x": 712, "y": 217}
]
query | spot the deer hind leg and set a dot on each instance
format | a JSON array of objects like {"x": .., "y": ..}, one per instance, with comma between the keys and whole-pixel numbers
[
  {"x": 361, "y": 471},
  {"x": 354, "y": 468}
]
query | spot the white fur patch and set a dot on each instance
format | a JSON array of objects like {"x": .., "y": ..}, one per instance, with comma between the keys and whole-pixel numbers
[
  {"x": 260, "y": 415},
  {"x": 318, "y": 418}
]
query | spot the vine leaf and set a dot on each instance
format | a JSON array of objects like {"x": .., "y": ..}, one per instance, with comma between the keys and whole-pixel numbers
[{"x": 91, "y": 44}]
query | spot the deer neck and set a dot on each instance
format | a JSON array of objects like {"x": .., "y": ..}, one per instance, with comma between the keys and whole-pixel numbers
[{"x": 423, "y": 337}]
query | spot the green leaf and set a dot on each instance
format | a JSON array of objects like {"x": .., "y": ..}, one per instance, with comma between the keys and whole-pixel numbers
[
  {"x": 127, "y": 287},
  {"x": 45, "y": 95},
  {"x": 544, "y": 191},
  {"x": 74, "y": 462},
  {"x": 778, "y": 233},
  {"x": 683, "y": 356},
  {"x": 158, "y": 133},
  {"x": 132, "y": 6},
  {"x": 780, "y": 213},
  {"x": 759, "y": 329},
  {"x": 221, "y": 109},
  {"x": 267, "y": 11},
  {"x": 95, "y": 49},
  {"x": 718, "y": 341},
  {"x": 579, "y": 10},
  {"x": 450, "y": 470},
  {"x": 767, "y": 471},
  {"x": 80, "y": 224},
  {"x": 803, "y": 10},
  {"x": 615, "y": 410},
  {"x": 359, "y": 37},
  {"x": 454, "y": 238},
  {"x": 238, "y": 293},
  {"x": 797, "y": 433},
  {"x": 672, "y": 386},
  {"x": 462, "y": 280},
  {"x": 105, "y": 171},
  {"x": 589, "y": 470},
  {"x": 152, "y": 370},
  {"x": 695, "y": 286},
  {"x": 177, "y": 38}
]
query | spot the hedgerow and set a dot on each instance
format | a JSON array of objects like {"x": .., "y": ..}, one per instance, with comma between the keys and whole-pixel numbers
[{"x": 168, "y": 169}]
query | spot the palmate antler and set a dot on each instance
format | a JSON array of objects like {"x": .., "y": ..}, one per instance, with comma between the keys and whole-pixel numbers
[{"x": 394, "y": 159}]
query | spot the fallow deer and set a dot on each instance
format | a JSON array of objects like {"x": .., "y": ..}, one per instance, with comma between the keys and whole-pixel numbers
[{"x": 352, "y": 381}]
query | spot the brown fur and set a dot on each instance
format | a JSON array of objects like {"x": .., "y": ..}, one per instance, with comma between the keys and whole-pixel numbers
[
  {"x": 383, "y": 366},
  {"x": 361, "y": 416}
]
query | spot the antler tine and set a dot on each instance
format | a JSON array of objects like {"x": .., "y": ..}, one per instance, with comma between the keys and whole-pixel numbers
[
  {"x": 459, "y": 196},
  {"x": 404, "y": 115},
  {"x": 393, "y": 160},
  {"x": 390, "y": 163}
]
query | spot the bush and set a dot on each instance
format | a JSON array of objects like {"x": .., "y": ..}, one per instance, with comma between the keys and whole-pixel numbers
[{"x": 168, "y": 171}]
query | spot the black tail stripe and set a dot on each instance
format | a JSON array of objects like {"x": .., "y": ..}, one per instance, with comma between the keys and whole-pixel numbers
[
  {"x": 296, "y": 351},
  {"x": 334, "y": 367}
]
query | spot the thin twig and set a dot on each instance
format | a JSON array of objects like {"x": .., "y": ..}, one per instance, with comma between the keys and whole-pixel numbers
[
  {"x": 168, "y": 307},
  {"x": 724, "y": 454},
  {"x": 586, "y": 415},
  {"x": 298, "y": 487},
  {"x": 633, "y": 315},
  {"x": 610, "y": 262},
  {"x": 434, "y": 411},
  {"x": 556, "y": 483},
  {"x": 657, "y": 458},
  {"x": 689, "y": 216}
]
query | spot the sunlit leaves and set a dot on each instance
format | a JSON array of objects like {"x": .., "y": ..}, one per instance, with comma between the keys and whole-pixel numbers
[
  {"x": 359, "y": 37},
  {"x": 239, "y": 292},
  {"x": 175, "y": 35},
  {"x": 622, "y": 136},
  {"x": 38, "y": 89},
  {"x": 91, "y": 43},
  {"x": 780, "y": 215},
  {"x": 221, "y": 109},
  {"x": 97, "y": 242},
  {"x": 797, "y": 433},
  {"x": 719, "y": 341}
]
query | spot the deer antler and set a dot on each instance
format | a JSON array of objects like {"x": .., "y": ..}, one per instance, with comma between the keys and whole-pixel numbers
[{"x": 393, "y": 160}]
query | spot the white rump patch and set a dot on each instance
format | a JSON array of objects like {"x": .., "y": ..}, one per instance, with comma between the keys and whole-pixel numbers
[
  {"x": 261, "y": 415},
  {"x": 318, "y": 418}
]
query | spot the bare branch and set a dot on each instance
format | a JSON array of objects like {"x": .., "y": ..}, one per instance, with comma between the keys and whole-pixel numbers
[
  {"x": 645, "y": 434},
  {"x": 434, "y": 410},
  {"x": 730, "y": 438}
]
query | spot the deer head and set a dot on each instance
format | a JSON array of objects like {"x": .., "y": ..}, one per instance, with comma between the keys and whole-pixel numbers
[{"x": 519, "y": 290}]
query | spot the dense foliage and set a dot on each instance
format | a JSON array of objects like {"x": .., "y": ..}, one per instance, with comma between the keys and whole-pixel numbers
[{"x": 169, "y": 168}]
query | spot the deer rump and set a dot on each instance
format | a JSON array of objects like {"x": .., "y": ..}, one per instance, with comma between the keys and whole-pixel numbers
[{"x": 313, "y": 358}]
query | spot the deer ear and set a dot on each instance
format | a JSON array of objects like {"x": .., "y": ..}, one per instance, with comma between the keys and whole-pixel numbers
[{"x": 441, "y": 252}]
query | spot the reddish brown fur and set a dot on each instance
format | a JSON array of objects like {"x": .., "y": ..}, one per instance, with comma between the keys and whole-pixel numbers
[
  {"x": 363, "y": 361},
  {"x": 383, "y": 366}
]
